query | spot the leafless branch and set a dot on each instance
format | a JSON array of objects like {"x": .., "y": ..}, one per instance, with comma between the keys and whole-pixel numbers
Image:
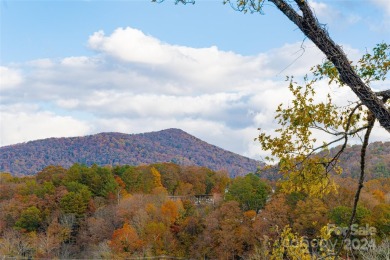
[{"x": 370, "y": 125}]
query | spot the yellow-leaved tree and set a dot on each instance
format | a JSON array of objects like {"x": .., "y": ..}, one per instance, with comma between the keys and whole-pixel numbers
[
  {"x": 305, "y": 163},
  {"x": 295, "y": 144}
]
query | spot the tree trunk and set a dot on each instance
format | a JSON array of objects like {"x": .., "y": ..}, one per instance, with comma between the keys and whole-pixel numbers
[{"x": 309, "y": 25}]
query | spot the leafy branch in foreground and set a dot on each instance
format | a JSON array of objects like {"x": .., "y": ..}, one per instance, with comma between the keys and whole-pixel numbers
[
  {"x": 301, "y": 158},
  {"x": 305, "y": 165}
]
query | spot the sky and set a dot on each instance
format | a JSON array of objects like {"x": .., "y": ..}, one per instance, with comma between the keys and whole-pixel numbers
[{"x": 74, "y": 68}]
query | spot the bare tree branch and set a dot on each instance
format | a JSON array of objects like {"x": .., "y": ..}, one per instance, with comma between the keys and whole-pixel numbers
[{"x": 370, "y": 125}]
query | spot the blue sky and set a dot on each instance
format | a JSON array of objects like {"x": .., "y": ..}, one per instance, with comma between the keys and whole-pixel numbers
[
  {"x": 61, "y": 28},
  {"x": 50, "y": 29},
  {"x": 72, "y": 68}
]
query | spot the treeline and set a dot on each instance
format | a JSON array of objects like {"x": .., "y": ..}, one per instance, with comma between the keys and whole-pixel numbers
[{"x": 126, "y": 211}]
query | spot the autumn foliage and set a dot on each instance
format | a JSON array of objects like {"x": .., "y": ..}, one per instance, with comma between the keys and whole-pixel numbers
[{"x": 166, "y": 209}]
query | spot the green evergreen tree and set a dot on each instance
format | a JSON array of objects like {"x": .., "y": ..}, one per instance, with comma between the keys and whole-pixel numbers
[
  {"x": 250, "y": 191},
  {"x": 30, "y": 219}
]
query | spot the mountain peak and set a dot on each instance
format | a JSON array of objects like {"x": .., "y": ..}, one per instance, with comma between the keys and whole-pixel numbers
[{"x": 169, "y": 145}]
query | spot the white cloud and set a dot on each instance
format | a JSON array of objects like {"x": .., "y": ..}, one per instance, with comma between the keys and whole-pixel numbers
[
  {"x": 78, "y": 61},
  {"x": 9, "y": 78},
  {"x": 136, "y": 83},
  {"x": 68, "y": 103},
  {"x": 320, "y": 9},
  {"x": 200, "y": 66},
  {"x": 147, "y": 105},
  {"x": 132, "y": 45},
  {"x": 41, "y": 63},
  {"x": 24, "y": 123},
  {"x": 379, "y": 134},
  {"x": 291, "y": 59}
]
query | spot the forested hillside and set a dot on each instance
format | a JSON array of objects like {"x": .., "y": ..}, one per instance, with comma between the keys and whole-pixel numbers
[
  {"x": 186, "y": 212},
  {"x": 377, "y": 162},
  {"x": 171, "y": 145}
]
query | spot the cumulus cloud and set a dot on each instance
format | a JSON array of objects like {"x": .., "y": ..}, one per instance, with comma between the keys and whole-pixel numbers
[
  {"x": 21, "y": 123},
  {"x": 133, "y": 45},
  {"x": 9, "y": 78},
  {"x": 136, "y": 83},
  {"x": 201, "y": 66}
]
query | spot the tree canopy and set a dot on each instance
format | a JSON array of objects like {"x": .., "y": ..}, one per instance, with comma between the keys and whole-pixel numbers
[
  {"x": 250, "y": 191},
  {"x": 74, "y": 222}
]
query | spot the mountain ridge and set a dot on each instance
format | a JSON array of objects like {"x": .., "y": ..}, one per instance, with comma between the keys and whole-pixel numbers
[{"x": 113, "y": 148}]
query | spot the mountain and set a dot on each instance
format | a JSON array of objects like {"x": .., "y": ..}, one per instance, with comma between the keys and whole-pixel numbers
[
  {"x": 171, "y": 145},
  {"x": 377, "y": 162}
]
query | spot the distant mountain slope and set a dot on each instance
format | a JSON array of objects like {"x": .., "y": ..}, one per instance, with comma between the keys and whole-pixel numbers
[
  {"x": 171, "y": 145},
  {"x": 377, "y": 162}
]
